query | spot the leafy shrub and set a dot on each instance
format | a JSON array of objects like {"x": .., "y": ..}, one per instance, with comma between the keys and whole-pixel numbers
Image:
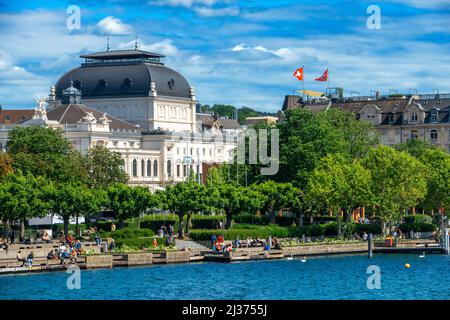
[
  {"x": 418, "y": 218},
  {"x": 285, "y": 221},
  {"x": 418, "y": 227},
  {"x": 206, "y": 222},
  {"x": 325, "y": 219},
  {"x": 262, "y": 232},
  {"x": 251, "y": 219},
  {"x": 368, "y": 228},
  {"x": 155, "y": 225},
  {"x": 129, "y": 233},
  {"x": 330, "y": 229},
  {"x": 139, "y": 243}
]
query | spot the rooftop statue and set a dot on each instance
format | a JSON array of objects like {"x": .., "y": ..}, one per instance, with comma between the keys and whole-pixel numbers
[{"x": 40, "y": 112}]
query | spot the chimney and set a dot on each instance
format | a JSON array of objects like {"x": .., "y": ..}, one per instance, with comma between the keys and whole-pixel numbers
[{"x": 377, "y": 95}]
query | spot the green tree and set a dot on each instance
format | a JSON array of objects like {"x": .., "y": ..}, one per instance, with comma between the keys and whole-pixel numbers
[
  {"x": 70, "y": 200},
  {"x": 336, "y": 184},
  {"x": 104, "y": 167},
  {"x": 307, "y": 137},
  {"x": 22, "y": 197},
  {"x": 277, "y": 196},
  {"x": 121, "y": 201},
  {"x": 184, "y": 198},
  {"x": 45, "y": 152},
  {"x": 235, "y": 199},
  {"x": 438, "y": 180},
  {"x": 398, "y": 182}
]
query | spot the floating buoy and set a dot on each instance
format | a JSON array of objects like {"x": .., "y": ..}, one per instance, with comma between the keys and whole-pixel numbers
[{"x": 407, "y": 266}]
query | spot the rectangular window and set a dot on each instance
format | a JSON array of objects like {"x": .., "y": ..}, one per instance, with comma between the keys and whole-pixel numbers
[
  {"x": 178, "y": 170},
  {"x": 434, "y": 116}
]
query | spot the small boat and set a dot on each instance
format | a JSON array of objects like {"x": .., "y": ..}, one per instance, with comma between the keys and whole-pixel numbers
[
  {"x": 422, "y": 255},
  {"x": 290, "y": 258},
  {"x": 303, "y": 260}
]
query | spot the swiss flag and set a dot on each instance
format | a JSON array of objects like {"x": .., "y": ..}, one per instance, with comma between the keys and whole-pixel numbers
[
  {"x": 324, "y": 77},
  {"x": 299, "y": 74}
]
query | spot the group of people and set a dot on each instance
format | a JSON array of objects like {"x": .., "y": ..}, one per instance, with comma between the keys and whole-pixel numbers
[
  {"x": 167, "y": 230},
  {"x": 218, "y": 243},
  {"x": 67, "y": 251},
  {"x": 26, "y": 262}
]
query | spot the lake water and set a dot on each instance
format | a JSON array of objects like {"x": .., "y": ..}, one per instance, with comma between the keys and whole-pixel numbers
[{"x": 337, "y": 277}]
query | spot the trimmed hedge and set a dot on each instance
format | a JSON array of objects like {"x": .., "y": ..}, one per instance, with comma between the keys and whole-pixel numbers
[
  {"x": 262, "y": 232},
  {"x": 139, "y": 243},
  {"x": 131, "y": 233},
  {"x": 418, "y": 227},
  {"x": 207, "y": 222},
  {"x": 251, "y": 219},
  {"x": 330, "y": 229},
  {"x": 155, "y": 225},
  {"x": 418, "y": 218}
]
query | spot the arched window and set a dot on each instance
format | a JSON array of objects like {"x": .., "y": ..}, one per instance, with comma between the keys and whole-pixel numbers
[
  {"x": 134, "y": 170},
  {"x": 143, "y": 167},
  {"x": 169, "y": 168},
  {"x": 433, "y": 134},
  {"x": 155, "y": 168},
  {"x": 149, "y": 168}
]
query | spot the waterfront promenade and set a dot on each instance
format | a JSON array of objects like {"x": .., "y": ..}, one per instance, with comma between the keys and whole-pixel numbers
[{"x": 190, "y": 251}]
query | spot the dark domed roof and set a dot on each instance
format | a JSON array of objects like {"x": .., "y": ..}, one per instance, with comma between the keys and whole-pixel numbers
[{"x": 99, "y": 78}]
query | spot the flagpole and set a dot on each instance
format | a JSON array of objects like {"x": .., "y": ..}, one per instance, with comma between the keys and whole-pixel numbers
[{"x": 328, "y": 78}]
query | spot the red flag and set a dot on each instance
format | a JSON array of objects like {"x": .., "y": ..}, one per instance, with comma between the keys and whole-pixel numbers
[
  {"x": 299, "y": 74},
  {"x": 324, "y": 77}
]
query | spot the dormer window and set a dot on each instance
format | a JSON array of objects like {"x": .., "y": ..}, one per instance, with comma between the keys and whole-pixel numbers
[
  {"x": 414, "y": 117},
  {"x": 391, "y": 118}
]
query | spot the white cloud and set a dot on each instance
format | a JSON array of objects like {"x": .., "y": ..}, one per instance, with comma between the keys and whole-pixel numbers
[
  {"x": 425, "y": 4},
  {"x": 184, "y": 3},
  {"x": 113, "y": 26},
  {"x": 165, "y": 47},
  {"x": 19, "y": 85},
  {"x": 217, "y": 12}
]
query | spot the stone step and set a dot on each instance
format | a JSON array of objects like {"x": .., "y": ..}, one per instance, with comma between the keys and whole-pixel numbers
[{"x": 190, "y": 244}]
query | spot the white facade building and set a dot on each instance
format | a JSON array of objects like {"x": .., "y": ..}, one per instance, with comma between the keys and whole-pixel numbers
[{"x": 134, "y": 105}]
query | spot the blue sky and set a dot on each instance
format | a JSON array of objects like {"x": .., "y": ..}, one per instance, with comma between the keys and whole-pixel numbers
[{"x": 235, "y": 52}]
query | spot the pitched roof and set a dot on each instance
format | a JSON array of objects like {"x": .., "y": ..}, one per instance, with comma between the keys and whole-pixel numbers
[
  {"x": 73, "y": 113},
  {"x": 15, "y": 116},
  {"x": 209, "y": 119}
]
